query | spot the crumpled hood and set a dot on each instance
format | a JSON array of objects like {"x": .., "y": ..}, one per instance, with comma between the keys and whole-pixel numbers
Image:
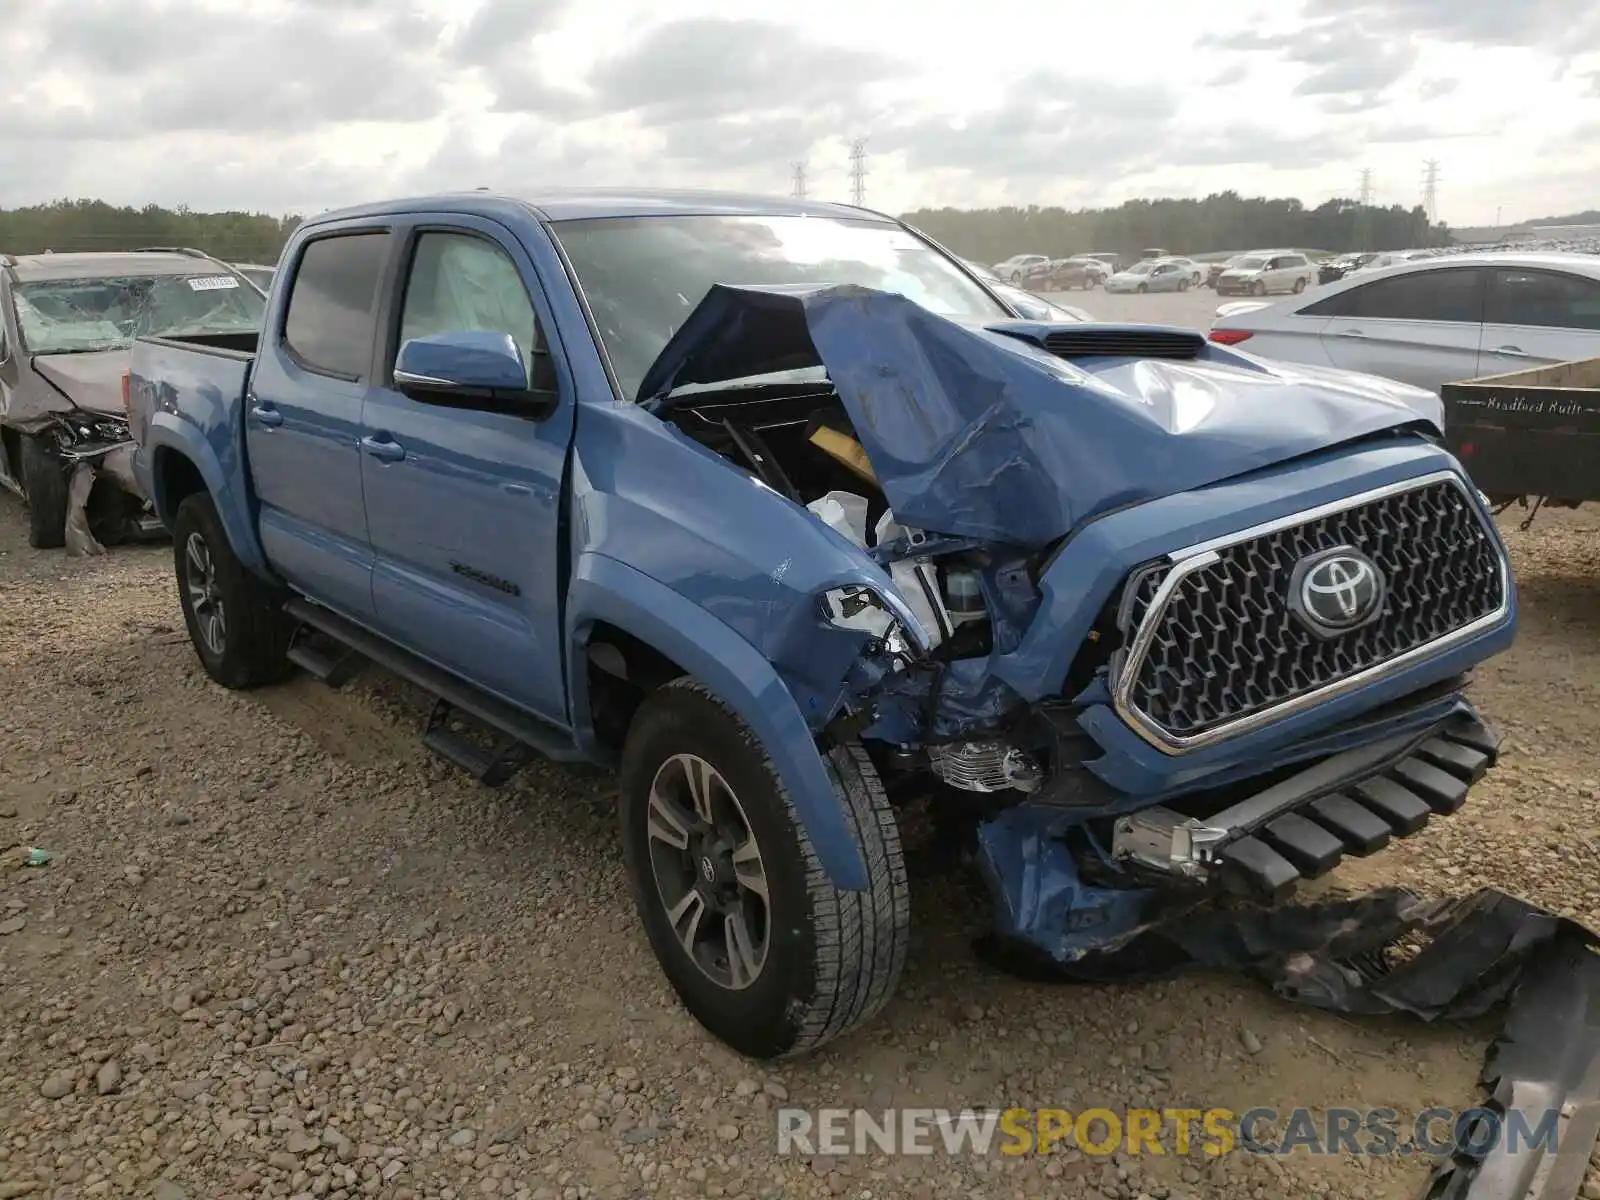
[
  {"x": 91, "y": 381},
  {"x": 978, "y": 431}
]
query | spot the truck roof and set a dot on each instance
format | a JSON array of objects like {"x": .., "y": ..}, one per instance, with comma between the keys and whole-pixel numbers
[
  {"x": 566, "y": 204},
  {"x": 30, "y": 268}
]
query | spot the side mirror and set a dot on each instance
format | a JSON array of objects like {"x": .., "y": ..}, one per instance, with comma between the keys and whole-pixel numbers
[{"x": 474, "y": 368}]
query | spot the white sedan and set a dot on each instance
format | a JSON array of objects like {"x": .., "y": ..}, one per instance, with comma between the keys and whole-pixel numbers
[{"x": 1433, "y": 321}]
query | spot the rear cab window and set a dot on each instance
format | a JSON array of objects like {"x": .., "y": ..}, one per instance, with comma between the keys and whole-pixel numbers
[{"x": 333, "y": 303}]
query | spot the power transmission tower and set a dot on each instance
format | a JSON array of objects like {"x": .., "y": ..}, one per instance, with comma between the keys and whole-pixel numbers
[
  {"x": 1363, "y": 221},
  {"x": 1430, "y": 190},
  {"x": 1366, "y": 186},
  {"x": 858, "y": 171},
  {"x": 800, "y": 180}
]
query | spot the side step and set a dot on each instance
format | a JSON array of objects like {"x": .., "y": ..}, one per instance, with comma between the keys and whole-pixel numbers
[
  {"x": 453, "y": 698},
  {"x": 492, "y": 768},
  {"x": 334, "y": 669}
]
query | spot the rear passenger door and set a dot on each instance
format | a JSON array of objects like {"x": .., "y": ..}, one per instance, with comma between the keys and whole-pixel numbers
[
  {"x": 1420, "y": 328},
  {"x": 303, "y": 418},
  {"x": 1534, "y": 317},
  {"x": 463, "y": 502}
]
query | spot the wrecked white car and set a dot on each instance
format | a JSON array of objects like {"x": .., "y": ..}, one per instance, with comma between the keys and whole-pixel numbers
[{"x": 66, "y": 322}]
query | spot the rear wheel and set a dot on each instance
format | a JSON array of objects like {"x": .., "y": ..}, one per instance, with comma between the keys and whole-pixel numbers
[
  {"x": 758, "y": 944},
  {"x": 44, "y": 482},
  {"x": 236, "y": 622},
  {"x": 1299, "y": 286},
  {"x": 1183, "y": 285}
]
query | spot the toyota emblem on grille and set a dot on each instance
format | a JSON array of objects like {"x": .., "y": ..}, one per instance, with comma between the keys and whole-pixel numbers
[{"x": 1336, "y": 591}]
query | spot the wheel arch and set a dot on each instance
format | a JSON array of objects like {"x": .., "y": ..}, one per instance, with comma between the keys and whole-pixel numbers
[{"x": 663, "y": 631}]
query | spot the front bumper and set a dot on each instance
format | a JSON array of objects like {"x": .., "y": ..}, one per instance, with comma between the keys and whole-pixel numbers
[
  {"x": 1300, "y": 828},
  {"x": 1060, "y": 890},
  {"x": 1236, "y": 287}
]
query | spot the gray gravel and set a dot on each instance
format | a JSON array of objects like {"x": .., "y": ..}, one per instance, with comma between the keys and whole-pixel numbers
[{"x": 282, "y": 952}]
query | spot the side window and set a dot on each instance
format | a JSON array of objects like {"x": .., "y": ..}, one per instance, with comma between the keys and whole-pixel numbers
[
  {"x": 1543, "y": 298},
  {"x": 333, "y": 307},
  {"x": 1448, "y": 295},
  {"x": 461, "y": 282}
]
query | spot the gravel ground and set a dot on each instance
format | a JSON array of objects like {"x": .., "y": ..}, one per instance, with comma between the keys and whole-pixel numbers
[{"x": 281, "y": 951}]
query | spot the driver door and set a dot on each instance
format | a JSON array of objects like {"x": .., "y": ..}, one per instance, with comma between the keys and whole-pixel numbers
[{"x": 463, "y": 503}]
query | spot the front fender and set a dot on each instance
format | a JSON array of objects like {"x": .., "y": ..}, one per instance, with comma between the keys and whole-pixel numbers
[
  {"x": 169, "y": 439},
  {"x": 604, "y": 589}
]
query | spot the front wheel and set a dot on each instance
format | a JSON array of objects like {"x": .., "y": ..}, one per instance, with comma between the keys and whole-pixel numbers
[
  {"x": 235, "y": 620},
  {"x": 1260, "y": 289},
  {"x": 1299, "y": 286},
  {"x": 46, "y": 487},
  {"x": 760, "y": 947},
  {"x": 1183, "y": 285},
  {"x": 1143, "y": 288}
]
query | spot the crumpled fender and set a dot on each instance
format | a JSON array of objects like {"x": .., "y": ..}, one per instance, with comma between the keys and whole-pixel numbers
[
  {"x": 168, "y": 435},
  {"x": 605, "y": 589}
]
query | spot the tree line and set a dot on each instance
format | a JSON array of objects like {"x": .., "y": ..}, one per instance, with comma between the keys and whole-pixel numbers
[
  {"x": 76, "y": 225},
  {"x": 1222, "y": 222}
]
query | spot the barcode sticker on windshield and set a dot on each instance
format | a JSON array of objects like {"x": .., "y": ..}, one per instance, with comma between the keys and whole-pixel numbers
[{"x": 213, "y": 283}]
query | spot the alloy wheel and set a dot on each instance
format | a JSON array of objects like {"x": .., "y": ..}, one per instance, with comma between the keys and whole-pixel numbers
[
  {"x": 205, "y": 598},
  {"x": 708, "y": 871}
]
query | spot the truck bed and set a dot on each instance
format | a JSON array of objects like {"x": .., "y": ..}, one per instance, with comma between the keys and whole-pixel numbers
[{"x": 1529, "y": 433}]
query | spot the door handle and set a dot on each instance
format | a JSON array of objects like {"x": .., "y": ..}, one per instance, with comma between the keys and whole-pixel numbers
[
  {"x": 385, "y": 449},
  {"x": 1512, "y": 351},
  {"x": 266, "y": 415}
]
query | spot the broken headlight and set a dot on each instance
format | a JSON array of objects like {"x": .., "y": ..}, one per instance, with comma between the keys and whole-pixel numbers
[
  {"x": 861, "y": 608},
  {"x": 84, "y": 434}
]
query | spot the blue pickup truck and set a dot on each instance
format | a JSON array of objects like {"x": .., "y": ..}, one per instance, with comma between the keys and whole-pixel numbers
[{"x": 775, "y": 507}]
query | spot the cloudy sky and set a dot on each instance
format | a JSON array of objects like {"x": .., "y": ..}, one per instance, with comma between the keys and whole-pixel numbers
[{"x": 307, "y": 104}]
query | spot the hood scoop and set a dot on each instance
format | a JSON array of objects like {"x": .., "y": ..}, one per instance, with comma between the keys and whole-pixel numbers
[{"x": 1113, "y": 342}]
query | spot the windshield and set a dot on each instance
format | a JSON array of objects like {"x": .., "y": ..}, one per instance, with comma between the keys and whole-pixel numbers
[
  {"x": 1143, "y": 268},
  {"x": 82, "y": 316},
  {"x": 1249, "y": 264},
  {"x": 643, "y": 276}
]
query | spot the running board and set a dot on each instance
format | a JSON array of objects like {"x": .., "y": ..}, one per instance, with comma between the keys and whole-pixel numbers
[
  {"x": 334, "y": 670},
  {"x": 520, "y": 727},
  {"x": 492, "y": 768}
]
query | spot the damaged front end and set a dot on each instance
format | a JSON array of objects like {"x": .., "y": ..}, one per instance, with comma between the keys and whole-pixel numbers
[
  {"x": 105, "y": 503},
  {"x": 1091, "y": 636}
]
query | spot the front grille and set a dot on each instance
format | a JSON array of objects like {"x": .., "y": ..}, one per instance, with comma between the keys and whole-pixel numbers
[
  {"x": 1124, "y": 343},
  {"x": 1226, "y": 645}
]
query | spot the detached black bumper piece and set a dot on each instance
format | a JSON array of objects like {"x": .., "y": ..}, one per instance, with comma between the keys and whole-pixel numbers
[{"x": 1355, "y": 803}]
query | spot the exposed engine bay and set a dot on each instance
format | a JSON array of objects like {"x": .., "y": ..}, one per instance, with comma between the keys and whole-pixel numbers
[{"x": 968, "y": 598}]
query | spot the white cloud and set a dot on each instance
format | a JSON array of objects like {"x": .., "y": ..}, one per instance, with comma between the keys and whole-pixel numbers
[{"x": 299, "y": 105}]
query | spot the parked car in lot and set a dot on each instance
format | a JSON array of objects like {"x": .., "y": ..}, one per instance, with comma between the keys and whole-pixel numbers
[
  {"x": 1434, "y": 321},
  {"x": 66, "y": 322},
  {"x": 1152, "y": 276},
  {"x": 1064, "y": 274},
  {"x": 1392, "y": 258},
  {"x": 1262, "y": 272},
  {"x": 1111, "y": 260},
  {"x": 767, "y": 547},
  {"x": 1015, "y": 269},
  {"x": 1337, "y": 268}
]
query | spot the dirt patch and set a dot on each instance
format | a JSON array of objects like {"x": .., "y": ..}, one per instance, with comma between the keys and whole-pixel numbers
[{"x": 282, "y": 951}]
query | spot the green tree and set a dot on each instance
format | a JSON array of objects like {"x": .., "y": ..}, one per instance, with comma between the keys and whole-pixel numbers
[{"x": 76, "y": 225}]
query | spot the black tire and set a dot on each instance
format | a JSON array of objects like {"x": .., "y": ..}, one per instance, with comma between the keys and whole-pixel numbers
[
  {"x": 1183, "y": 285},
  {"x": 1143, "y": 288},
  {"x": 1016, "y": 277},
  {"x": 832, "y": 958},
  {"x": 44, "y": 481},
  {"x": 252, "y": 646},
  {"x": 1259, "y": 289},
  {"x": 1299, "y": 286}
]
